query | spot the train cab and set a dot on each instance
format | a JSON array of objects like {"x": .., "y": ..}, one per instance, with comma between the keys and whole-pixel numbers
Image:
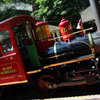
[{"x": 17, "y": 50}]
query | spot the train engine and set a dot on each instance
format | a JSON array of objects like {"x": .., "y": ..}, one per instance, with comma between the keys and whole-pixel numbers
[{"x": 69, "y": 62}]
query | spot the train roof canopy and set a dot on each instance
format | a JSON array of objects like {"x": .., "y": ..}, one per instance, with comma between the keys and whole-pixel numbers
[{"x": 14, "y": 21}]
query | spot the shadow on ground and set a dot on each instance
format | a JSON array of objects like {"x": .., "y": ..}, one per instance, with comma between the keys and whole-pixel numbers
[{"x": 31, "y": 92}]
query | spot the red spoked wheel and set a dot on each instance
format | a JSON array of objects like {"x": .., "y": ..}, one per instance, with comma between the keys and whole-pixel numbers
[{"x": 47, "y": 84}]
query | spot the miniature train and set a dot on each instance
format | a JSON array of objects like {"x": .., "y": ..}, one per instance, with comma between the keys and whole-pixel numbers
[{"x": 26, "y": 48}]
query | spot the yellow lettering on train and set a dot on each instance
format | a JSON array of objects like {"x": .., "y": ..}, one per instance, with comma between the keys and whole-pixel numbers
[{"x": 7, "y": 70}]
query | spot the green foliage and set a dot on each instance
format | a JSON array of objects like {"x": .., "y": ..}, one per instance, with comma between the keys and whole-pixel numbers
[{"x": 55, "y": 10}]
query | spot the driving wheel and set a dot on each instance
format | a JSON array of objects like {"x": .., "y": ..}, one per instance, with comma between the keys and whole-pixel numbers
[{"x": 47, "y": 84}]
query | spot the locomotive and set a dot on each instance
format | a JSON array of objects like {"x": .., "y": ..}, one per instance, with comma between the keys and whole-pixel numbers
[{"x": 27, "y": 48}]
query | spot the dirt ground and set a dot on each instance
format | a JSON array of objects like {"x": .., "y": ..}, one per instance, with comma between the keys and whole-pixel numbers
[{"x": 32, "y": 92}]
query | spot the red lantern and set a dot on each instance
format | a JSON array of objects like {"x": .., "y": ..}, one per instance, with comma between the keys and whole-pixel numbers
[{"x": 66, "y": 28}]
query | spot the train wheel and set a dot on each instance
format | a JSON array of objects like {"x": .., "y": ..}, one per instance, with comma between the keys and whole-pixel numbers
[
  {"x": 91, "y": 82},
  {"x": 47, "y": 84}
]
